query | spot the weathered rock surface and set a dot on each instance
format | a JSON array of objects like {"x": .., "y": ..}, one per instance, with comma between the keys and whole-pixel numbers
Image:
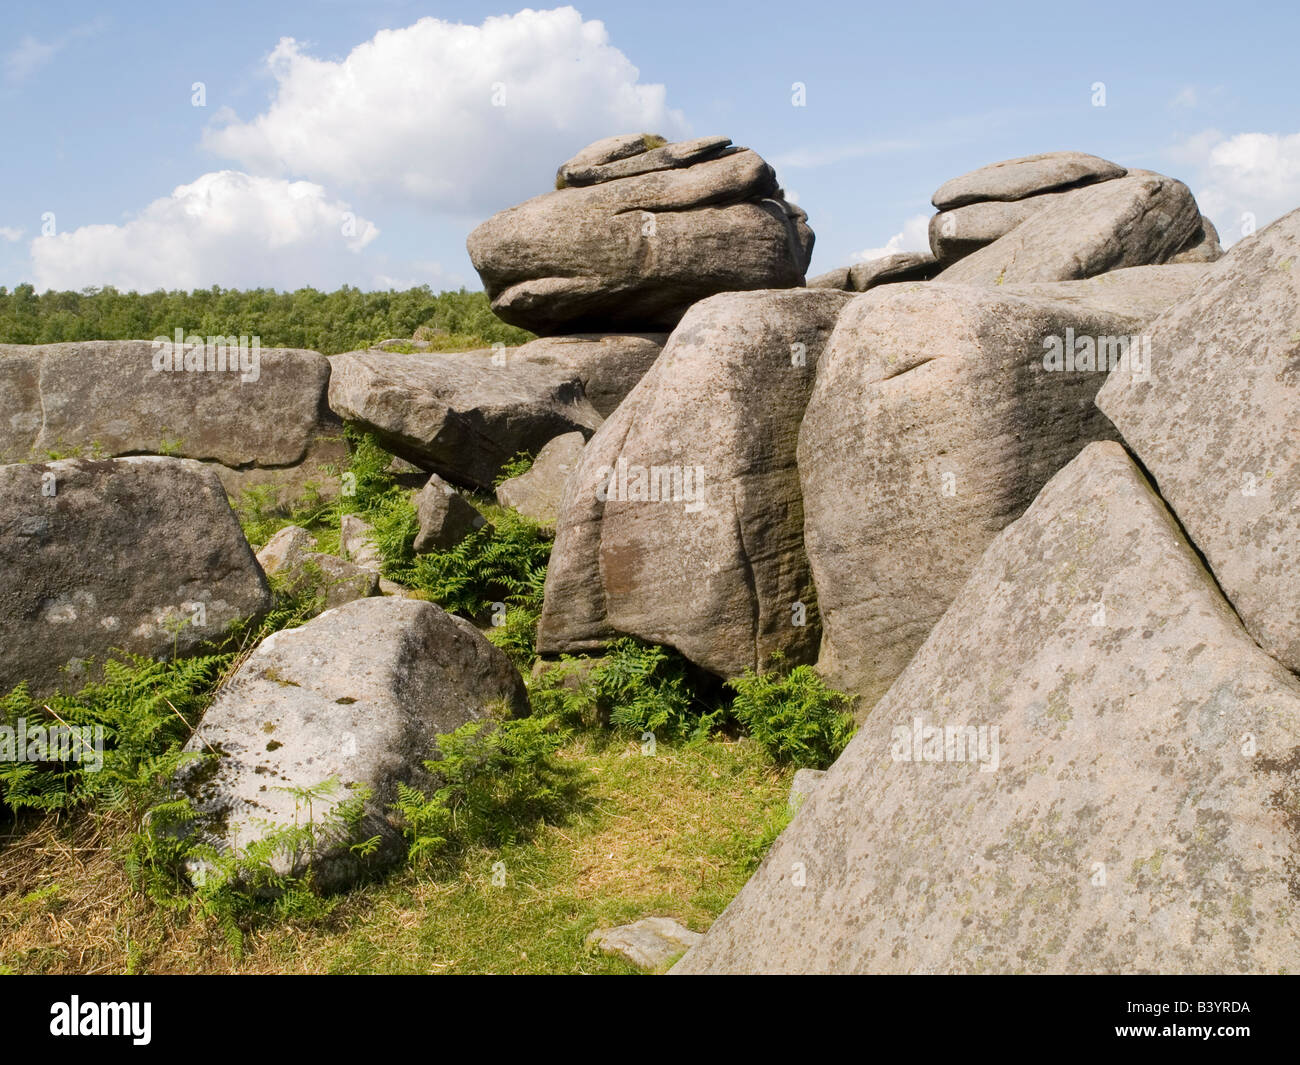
[
  {"x": 608, "y": 364},
  {"x": 536, "y": 494},
  {"x": 1130, "y": 814},
  {"x": 358, "y": 539},
  {"x": 268, "y": 423},
  {"x": 1202, "y": 247},
  {"x": 1137, "y": 220},
  {"x": 1140, "y": 292},
  {"x": 805, "y": 782},
  {"x": 291, "y": 554},
  {"x": 649, "y": 943},
  {"x": 1014, "y": 179},
  {"x": 888, "y": 269},
  {"x": 632, "y": 253},
  {"x": 1217, "y": 423},
  {"x": 142, "y": 554},
  {"x": 664, "y": 157},
  {"x": 356, "y": 695},
  {"x": 683, "y": 523},
  {"x": 446, "y": 517},
  {"x": 955, "y": 234},
  {"x": 461, "y": 415},
  {"x": 607, "y": 150},
  {"x": 932, "y": 426}
]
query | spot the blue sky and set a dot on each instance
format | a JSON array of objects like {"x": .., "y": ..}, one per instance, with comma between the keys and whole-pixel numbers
[{"x": 353, "y": 142}]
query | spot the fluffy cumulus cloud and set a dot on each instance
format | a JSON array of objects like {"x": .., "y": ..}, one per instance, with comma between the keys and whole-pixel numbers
[
  {"x": 1249, "y": 176},
  {"x": 915, "y": 236},
  {"x": 447, "y": 116},
  {"x": 226, "y": 228}
]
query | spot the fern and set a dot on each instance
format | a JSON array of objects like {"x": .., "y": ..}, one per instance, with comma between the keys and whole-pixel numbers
[{"x": 794, "y": 715}]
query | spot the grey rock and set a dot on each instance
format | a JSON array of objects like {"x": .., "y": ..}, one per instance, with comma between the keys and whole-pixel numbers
[
  {"x": 536, "y": 494},
  {"x": 461, "y": 415},
  {"x": 1217, "y": 423},
  {"x": 1014, "y": 179},
  {"x": 357, "y": 695},
  {"x": 446, "y": 517},
  {"x": 712, "y": 563},
  {"x": 106, "y": 398},
  {"x": 955, "y": 234},
  {"x": 1137, "y": 220},
  {"x": 1136, "y": 820},
  {"x": 932, "y": 426},
  {"x": 632, "y": 254},
  {"x": 608, "y": 364},
  {"x": 291, "y": 555},
  {"x": 140, "y": 553},
  {"x": 649, "y": 943},
  {"x": 837, "y": 279},
  {"x": 607, "y": 150},
  {"x": 665, "y": 157},
  {"x": 358, "y": 540},
  {"x": 1140, "y": 292},
  {"x": 1202, "y": 247},
  {"x": 905, "y": 266},
  {"x": 805, "y": 782}
]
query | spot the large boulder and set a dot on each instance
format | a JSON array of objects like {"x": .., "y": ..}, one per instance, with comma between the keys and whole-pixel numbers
[
  {"x": 291, "y": 555},
  {"x": 142, "y": 554},
  {"x": 445, "y": 516},
  {"x": 608, "y": 364},
  {"x": 1217, "y": 423},
  {"x": 957, "y": 233},
  {"x": 885, "y": 270},
  {"x": 643, "y": 238},
  {"x": 461, "y": 415},
  {"x": 1136, "y": 220},
  {"x": 1088, "y": 768},
  {"x": 260, "y": 421},
  {"x": 683, "y": 523},
  {"x": 357, "y": 696},
  {"x": 1141, "y": 292},
  {"x": 932, "y": 426},
  {"x": 1014, "y": 179},
  {"x": 537, "y": 493}
]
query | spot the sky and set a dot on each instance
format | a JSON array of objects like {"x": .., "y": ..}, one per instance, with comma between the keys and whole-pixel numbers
[{"x": 281, "y": 144}]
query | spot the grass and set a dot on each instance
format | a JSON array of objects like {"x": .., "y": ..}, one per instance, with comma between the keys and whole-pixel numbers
[{"x": 675, "y": 835}]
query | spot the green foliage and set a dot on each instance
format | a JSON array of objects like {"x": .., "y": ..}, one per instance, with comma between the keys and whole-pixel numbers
[
  {"x": 638, "y": 687},
  {"x": 520, "y": 464},
  {"x": 493, "y": 783},
  {"x": 328, "y": 322},
  {"x": 794, "y": 715}
]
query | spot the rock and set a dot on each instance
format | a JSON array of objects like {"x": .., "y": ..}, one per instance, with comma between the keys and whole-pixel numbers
[
  {"x": 358, "y": 540},
  {"x": 356, "y": 695},
  {"x": 905, "y": 266},
  {"x": 665, "y": 157},
  {"x": 268, "y": 423},
  {"x": 1137, "y": 220},
  {"x": 837, "y": 279},
  {"x": 446, "y": 517},
  {"x": 717, "y": 572},
  {"x": 631, "y": 254},
  {"x": 141, "y": 553},
  {"x": 805, "y": 782},
  {"x": 932, "y": 426},
  {"x": 955, "y": 234},
  {"x": 607, "y": 150},
  {"x": 387, "y": 587},
  {"x": 607, "y": 364},
  {"x": 461, "y": 415},
  {"x": 1202, "y": 247},
  {"x": 1217, "y": 424},
  {"x": 291, "y": 554},
  {"x": 1141, "y": 292},
  {"x": 537, "y": 493},
  {"x": 403, "y": 345},
  {"x": 1014, "y": 179},
  {"x": 649, "y": 943},
  {"x": 1129, "y": 814}
]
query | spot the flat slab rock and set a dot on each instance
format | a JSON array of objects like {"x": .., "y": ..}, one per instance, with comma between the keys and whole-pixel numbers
[
  {"x": 537, "y": 493},
  {"x": 1110, "y": 788},
  {"x": 649, "y": 943},
  {"x": 1014, "y": 179}
]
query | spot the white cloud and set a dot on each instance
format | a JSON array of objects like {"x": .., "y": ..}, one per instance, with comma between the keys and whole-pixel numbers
[
  {"x": 915, "y": 236},
  {"x": 1186, "y": 97},
  {"x": 30, "y": 54},
  {"x": 1255, "y": 174},
  {"x": 225, "y": 228},
  {"x": 10, "y": 234},
  {"x": 410, "y": 114}
]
